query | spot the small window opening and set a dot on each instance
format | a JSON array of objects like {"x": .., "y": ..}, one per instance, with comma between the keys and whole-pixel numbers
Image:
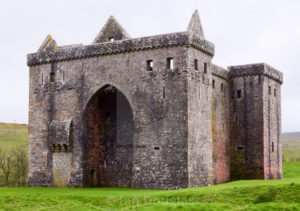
[
  {"x": 222, "y": 87},
  {"x": 274, "y": 92},
  {"x": 213, "y": 84},
  {"x": 42, "y": 78},
  {"x": 196, "y": 64},
  {"x": 236, "y": 120},
  {"x": 205, "y": 67},
  {"x": 164, "y": 92},
  {"x": 107, "y": 114},
  {"x": 240, "y": 148},
  {"x": 111, "y": 39},
  {"x": 63, "y": 75},
  {"x": 239, "y": 94},
  {"x": 259, "y": 79},
  {"x": 52, "y": 77},
  {"x": 149, "y": 65},
  {"x": 170, "y": 63},
  {"x": 156, "y": 148},
  {"x": 270, "y": 90},
  {"x": 272, "y": 146}
]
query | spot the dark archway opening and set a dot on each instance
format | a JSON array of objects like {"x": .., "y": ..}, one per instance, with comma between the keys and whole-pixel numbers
[{"x": 108, "y": 139}]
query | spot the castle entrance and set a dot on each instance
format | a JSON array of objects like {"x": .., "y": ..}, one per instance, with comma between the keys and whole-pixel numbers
[{"x": 108, "y": 139}]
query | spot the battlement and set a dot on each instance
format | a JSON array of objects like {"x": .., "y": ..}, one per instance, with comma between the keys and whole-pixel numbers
[{"x": 256, "y": 69}]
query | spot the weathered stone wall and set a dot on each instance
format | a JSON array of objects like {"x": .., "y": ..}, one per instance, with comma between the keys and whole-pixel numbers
[
  {"x": 272, "y": 128},
  {"x": 252, "y": 121},
  {"x": 220, "y": 125},
  {"x": 156, "y": 115},
  {"x": 199, "y": 120}
]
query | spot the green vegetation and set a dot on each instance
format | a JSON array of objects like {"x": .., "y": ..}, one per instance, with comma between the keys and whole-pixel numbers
[{"x": 239, "y": 195}]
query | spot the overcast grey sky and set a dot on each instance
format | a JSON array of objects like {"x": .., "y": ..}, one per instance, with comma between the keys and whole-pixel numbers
[{"x": 243, "y": 31}]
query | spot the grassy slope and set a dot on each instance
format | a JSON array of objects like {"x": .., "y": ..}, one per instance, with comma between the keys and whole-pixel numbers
[{"x": 239, "y": 195}]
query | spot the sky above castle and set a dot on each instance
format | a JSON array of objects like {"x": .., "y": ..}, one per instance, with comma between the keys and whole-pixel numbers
[{"x": 248, "y": 31}]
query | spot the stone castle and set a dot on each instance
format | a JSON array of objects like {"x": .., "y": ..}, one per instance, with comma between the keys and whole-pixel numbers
[{"x": 151, "y": 112}]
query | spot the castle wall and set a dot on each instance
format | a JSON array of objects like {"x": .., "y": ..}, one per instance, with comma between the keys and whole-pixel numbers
[
  {"x": 246, "y": 146},
  {"x": 199, "y": 120},
  {"x": 220, "y": 125},
  {"x": 272, "y": 129},
  {"x": 255, "y": 122},
  {"x": 158, "y": 100}
]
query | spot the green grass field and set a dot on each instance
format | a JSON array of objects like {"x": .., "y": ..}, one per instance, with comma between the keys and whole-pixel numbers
[{"x": 239, "y": 195}]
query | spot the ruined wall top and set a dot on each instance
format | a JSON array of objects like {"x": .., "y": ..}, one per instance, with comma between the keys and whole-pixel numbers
[
  {"x": 256, "y": 69},
  {"x": 114, "y": 39}
]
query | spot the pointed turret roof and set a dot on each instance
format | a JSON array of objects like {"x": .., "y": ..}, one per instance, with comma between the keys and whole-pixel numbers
[
  {"x": 195, "y": 25},
  {"x": 48, "y": 44},
  {"x": 111, "y": 30}
]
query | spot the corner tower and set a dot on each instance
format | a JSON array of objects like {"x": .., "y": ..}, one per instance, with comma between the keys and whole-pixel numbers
[{"x": 255, "y": 123}]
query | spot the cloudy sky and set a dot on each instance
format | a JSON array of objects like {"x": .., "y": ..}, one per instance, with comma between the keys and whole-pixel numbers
[{"x": 247, "y": 31}]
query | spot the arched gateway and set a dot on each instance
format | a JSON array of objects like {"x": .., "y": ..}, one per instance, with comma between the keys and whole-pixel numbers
[
  {"x": 151, "y": 112},
  {"x": 108, "y": 139}
]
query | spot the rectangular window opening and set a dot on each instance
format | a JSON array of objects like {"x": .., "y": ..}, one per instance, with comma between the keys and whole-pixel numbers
[
  {"x": 170, "y": 63},
  {"x": 196, "y": 64},
  {"x": 42, "y": 78},
  {"x": 239, "y": 94},
  {"x": 205, "y": 67},
  {"x": 274, "y": 92},
  {"x": 52, "y": 77},
  {"x": 63, "y": 76},
  {"x": 164, "y": 92},
  {"x": 149, "y": 65},
  {"x": 272, "y": 146},
  {"x": 213, "y": 84},
  {"x": 222, "y": 87},
  {"x": 270, "y": 90}
]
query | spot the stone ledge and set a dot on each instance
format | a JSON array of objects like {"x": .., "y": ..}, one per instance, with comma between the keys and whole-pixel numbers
[
  {"x": 220, "y": 72},
  {"x": 121, "y": 46},
  {"x": 256, "y": 69}
]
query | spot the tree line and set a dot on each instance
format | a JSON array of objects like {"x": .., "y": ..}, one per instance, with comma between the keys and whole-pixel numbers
[{"x": 13, "y": 166}]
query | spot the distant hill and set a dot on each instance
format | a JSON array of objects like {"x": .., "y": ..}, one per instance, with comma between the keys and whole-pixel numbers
[{"x": 291, "y": 135}]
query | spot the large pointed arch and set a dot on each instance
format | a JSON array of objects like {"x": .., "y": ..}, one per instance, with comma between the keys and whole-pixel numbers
[{"x": 108, "y": 139}]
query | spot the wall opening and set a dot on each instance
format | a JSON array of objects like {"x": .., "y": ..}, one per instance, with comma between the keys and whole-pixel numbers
[
  {"x": 213, "y": 84},
  {"x": 52, "y": 75},
  {"x": 274, "y": 92},
  {"x": 170, "y": 63},
  {"x": 108, "y": 139},
  {"x": 205, "y": 67},
  {"x": 272, "y": 146},
  {"x": 164, "y": 92},
  {"x": 238, "y": 94},
  {"x": 149, "y": 65},
  {"x": 270, "y": 90},
  {"x": 222, "y": 87},
  {"x": 196, "y": 64}
]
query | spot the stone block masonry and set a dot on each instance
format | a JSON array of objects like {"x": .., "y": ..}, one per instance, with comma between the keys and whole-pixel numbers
[{"x": 152, "y": 112}]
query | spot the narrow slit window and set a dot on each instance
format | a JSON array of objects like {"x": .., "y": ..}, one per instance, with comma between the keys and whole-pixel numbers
[
  {"x": 270, "y": 90},
  {"x": 236, "y": 120},
  {"x": 272, "y": 146},
  {"x": 164, "y": 92},
  {"x": 274, "y": 92},
  {"x": 149, "y": 65},
  {"x": 213, "y": 84},
  {"x": 238, "y": 94},
  {"x": 205, "y": 67},
  {"x": 222, "y": 87},
  {"x": 170, "y": 63},
  {"x": 52, "y": 77},
  {"x": 196, "y": 64},
  {"x": 42, "y": 78},
  {"x": 63, "y": 75}
]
